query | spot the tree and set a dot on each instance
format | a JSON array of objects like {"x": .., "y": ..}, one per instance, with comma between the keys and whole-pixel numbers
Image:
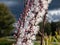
[
  {"x": 53, "y": 28},
  {"x": 6, "y": 20},
  {"x": 48, "y": 28},
  {"x": 58, "y": 27}
]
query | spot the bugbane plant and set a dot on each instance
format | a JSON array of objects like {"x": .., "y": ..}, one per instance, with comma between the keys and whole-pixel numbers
[{"x": 27, "y": 25}]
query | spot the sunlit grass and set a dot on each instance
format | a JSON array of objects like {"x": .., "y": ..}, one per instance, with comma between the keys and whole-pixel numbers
[
  {"x": 51, "y": 40},
  {"x": 36, "y": 43}
]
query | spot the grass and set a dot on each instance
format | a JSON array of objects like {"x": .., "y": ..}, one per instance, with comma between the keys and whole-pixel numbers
[
  {"x": 5, "y": 41},
  {"x": 36, "y": 43},
  {"x": 51, "y": 41}
]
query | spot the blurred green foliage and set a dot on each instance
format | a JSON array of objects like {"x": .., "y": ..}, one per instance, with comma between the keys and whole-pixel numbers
[
  {"x": 6, "y": 20},
  {"x": 9, "y": 40},
  {"x": 50, "y": 28}
]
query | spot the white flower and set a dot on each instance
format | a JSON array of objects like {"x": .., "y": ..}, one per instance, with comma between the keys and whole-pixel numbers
[
  {"x": 28, "y": 36},
  {"x": 26, "y": 24},
  {"x": 33, "y": 37},
  {"x": 24, "y": 43},
  {"x": 19, "y": 43},
  {"x": 45, "y": 6},
  {"x": 35, "y": 28},
  {"x": 29, "y": 41},
  {"x": 36, "y": 9},
  {"x": 31, "y": 21},
  {"x": 49, "y": 1},
  {"x": 30, "y": 16},
  {"x": 32, "y": 8},
  {"x": 36, "y": 2},
  {"x": 38, "y": 20}
]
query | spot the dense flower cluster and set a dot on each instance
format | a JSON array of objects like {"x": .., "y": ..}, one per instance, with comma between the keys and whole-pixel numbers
[{"x": 27, "y": 24}]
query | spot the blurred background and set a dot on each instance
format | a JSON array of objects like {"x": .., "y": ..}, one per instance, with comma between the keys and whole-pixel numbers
[{"x": 10, "y": 11}]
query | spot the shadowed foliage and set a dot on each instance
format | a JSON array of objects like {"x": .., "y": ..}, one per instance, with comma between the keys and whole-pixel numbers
[{"x": 6, "y": 20}]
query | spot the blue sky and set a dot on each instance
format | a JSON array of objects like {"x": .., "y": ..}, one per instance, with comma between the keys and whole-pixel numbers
[
  {"x": 11, "y": 3},
  {"x": 16, "y": 7}
]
